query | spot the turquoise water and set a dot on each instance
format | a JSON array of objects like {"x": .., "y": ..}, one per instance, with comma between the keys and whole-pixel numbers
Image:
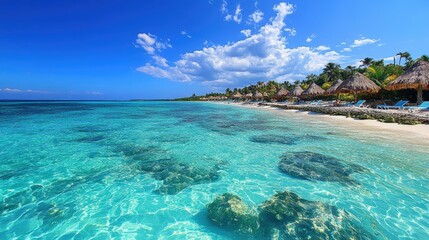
[{"x": 79, "y": 170}]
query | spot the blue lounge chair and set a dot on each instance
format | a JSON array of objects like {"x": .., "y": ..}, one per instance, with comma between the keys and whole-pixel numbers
[
  {"x": 422, "y": 106},
  {"x": 357, "y": 104},
  {"x": 397, "y": 105},
  {"x": 315, "y": 102}
]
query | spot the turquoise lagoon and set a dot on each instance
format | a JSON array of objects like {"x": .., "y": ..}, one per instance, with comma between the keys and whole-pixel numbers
[{"x": 79, "y": 170}]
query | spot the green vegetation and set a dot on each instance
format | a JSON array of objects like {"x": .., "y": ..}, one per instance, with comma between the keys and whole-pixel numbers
[{"x": 377, "y": 71}]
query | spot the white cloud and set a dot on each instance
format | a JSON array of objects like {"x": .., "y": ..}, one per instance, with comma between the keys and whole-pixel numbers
[
  {"x": 94, "y": 93},
  {"x": 380, "y": 44},
  {"x": 246, "y": 32},
  {"x": 184, "y": 33},
  {"x": 291, "y": 31},
  {"x": 343, "y": 43},
  {"x": 346, "y": 50},
  {"x": 160, "y": 61},
  {"x": 237, "y": 16},
  {"x": 150, "y": 43},
  {"x": 228, "y": 17},
  {"x": 363, "y": 41},
  {"x": 16, "y": 90},
  {"x": 322, "y": 48},
  {"x": 257, "y": 16},
  {"x": 389, "y": 59},
  {"x": 310, "y": 38},
  {"x": 261, "y": 56},
  {"x": 223, "y": 7}
]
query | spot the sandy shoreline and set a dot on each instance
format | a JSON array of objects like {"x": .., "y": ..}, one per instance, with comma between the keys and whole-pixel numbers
[{"x": 417, "y": 134}]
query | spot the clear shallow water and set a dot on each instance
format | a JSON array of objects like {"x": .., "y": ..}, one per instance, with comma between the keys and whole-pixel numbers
[{"x": 74, "y": 170}]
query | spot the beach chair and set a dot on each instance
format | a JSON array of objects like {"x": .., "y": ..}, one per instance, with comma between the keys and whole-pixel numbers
[
  {"x": 357, "y": 104},
  {"x": 398, "y": 105},
  {"x": 422, "y": 106},
  {"x": 315, "y": 102}
]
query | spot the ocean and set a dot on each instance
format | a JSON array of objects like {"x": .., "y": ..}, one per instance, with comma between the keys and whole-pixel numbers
[{"x": 150, "y": 170}]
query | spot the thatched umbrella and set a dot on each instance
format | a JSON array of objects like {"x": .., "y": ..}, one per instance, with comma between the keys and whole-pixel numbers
[
  {"x": 249, "y": 95},
  {"x": 282, "y": 92},
  {"x": 333, "y": 89},
  {"x": 297, "y": 91},
  {"x": 237, "y": 95},
  {"x": 313, "y": 90},
  {"x": 358, "y": 83},
  {"x": 258, "y": 95},
  {"x": 417, "y": 77}
]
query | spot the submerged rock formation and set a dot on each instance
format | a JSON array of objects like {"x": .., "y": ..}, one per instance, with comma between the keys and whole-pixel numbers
[
  {"x": 174, "y": 174},
  {"x": 285, "y": 216},
  {"x": 272, "y": 138},
  {"x": 177, "y": 176},
  {"x": 291, "y": 217},
  {"x": 229, "y": 210},
  {"x": 314, "y": 166}
]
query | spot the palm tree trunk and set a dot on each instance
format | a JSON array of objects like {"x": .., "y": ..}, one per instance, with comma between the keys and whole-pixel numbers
[
  {"x": 419, "y": 94},
  {"x": 356, "y": 96}
]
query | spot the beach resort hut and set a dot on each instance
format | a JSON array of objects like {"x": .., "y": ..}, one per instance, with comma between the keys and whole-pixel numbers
[
  {"x": 283, "y": 92},
  {"x": 258, "y": 96},
  {"x": 333, "y": 89},
  {"x": 296, "y": 91},
  {"x": 313, "y": 90},
  {"x": 237, "y": 96},
  {"x": 248, "y": 96},
  {"x": 358, "y": 83},
  {"x": 417, "y": 77}
]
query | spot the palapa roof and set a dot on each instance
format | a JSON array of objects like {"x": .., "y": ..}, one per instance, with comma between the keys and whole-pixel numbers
[
  {"x": 417, "y": 75},
  {"x": 258, "y": 95},
  {"x": 249, "y": 95},
  {"x": 237, "y": 95},
  {"x": 282, "y": 92},
  {"x": 358, "y": 83},
  {"x": 313, "y": 90},
  {"x": 333, "y": 89},
  {"x": 297, "y": 91},
  {"x": 265, "y": 94}
]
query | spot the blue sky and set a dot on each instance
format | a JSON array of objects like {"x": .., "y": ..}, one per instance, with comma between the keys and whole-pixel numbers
[{"x": 166, "y": 49}]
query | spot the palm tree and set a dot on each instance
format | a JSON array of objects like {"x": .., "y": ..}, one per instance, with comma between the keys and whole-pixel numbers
[
  {"x": 405, "y": 55},
  {"x": 366, "y": 62},
  {"x": 382, "y": 75},
  {"x": 424, "y": 58},
  {"x": 332, "y": 70}
]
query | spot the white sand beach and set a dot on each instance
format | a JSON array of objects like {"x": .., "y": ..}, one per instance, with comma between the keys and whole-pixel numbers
[{"x": 415, "y": 134}]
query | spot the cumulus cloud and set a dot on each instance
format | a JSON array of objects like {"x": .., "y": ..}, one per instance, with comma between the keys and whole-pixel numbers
[
  {"x": 291, "y": 31},
  {"x": 246, "y": 32},
  {"x": 160, "y": 61},
  {"x": 389, "y": 59},
  {"x": 322, "y": 48},
  {"x": 256, "y": 16},
  {"x": 263, "y": 55},
  {"x": 224, "y": 7},
  {"x": 310, "y": 38},
  {"x": 363, "y": 41},
  {"x": 346, "y": 50},
  {"x": 16, "y": 90},
  {"x": 343, "y": 43},
  {"x": 237, "y": 16},
  {"x": 150, "y": 43}
]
